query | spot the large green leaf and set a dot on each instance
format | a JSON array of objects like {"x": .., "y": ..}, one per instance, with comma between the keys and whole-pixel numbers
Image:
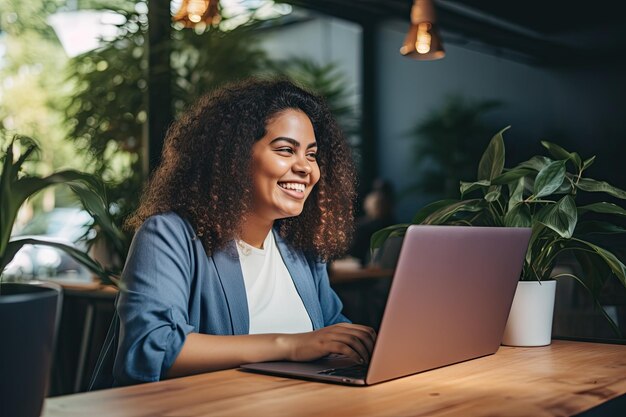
[
  {"x": 589, "y": 162},
  {"x": 492, "y": 162},
  {"x": 516, "y": 193},
  {"x": 536, "y": 163},
  {"x": 560, "y": 217},
  {"x": 537, "y": 231},
  {"x": 559, "y": 153},
  {"x": 430, "y": 209},
  {"x": 617, "y": 267},
  {"x": 378, "y": 238},
  {"x": 27, "y": 153},
  {"x": 595, "y": 274},
  {"x": 442, "y": 215},
  {"x": 567, "y": 186},
  {"x": 493, "y": 194},
  {"x": 594, "y": 186},
  {"x": 27, "y": 186},
  {"x": 9, "y": 254},
  {"x": 8, "y": 178},
  {"x": 519, "y": 216},
  {"x": 80, "y": 256},
  {"x": 549, "y": 179},
  {"x": 468, "y": 187},
  {"x": 512, "y": 175},
  {"x": 16, "y": 191},
  {"x": 602, "y": 207},
  {"x": 95, "y": 203},
  {"x": 597, "y": 227}
]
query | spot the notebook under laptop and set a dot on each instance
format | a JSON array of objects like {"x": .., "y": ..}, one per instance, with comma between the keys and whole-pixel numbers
[{"x": 449, "y": 301}]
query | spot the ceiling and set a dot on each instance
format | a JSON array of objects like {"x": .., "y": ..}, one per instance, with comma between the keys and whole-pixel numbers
[{"x": 548, "y": 32}]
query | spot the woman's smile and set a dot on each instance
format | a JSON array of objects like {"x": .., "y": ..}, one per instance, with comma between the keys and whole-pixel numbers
[{"x": 294, "y": 189}]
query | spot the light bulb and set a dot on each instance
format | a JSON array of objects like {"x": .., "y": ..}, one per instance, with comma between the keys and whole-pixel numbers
[
  {"x": 196, "y": 8},
  {"x": 423, "y": 40}
]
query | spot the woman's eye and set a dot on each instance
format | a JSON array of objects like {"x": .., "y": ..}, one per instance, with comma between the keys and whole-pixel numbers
[
  {"x": 285, "y": 150},
  {"x": 312, "y": 155}
]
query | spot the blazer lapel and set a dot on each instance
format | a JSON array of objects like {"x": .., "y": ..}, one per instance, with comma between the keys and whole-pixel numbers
[
  {"x": 230, "y": 275},
  {"x": 302, "y": 279}
]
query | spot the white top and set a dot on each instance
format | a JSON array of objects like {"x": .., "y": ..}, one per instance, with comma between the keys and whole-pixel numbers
[{"x": 274, "y": 304}]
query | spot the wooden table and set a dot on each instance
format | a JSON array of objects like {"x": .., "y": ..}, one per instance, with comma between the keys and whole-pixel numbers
[{"x": 564, "y": 378}]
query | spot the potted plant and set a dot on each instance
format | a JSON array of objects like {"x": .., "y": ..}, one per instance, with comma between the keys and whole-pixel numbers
[
  {"x": 30, "y": 311},
  {"x": 539, "y": 193}
]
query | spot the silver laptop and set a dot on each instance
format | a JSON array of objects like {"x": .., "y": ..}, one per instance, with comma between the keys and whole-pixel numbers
[{"x": 449, "y": 301}]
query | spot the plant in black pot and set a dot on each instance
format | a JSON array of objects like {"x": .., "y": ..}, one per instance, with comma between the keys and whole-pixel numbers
[
  {"x": 30, "y": 311},
  {"x": 540, "y": 193}
]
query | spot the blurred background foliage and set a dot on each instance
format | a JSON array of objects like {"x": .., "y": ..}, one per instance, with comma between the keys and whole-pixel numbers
[
  {"x": 32, "y": 92},
  {"x": 447, "y": 144},
  {"x": 326, "y": 79},
  {"x": 88, "y": 111}
]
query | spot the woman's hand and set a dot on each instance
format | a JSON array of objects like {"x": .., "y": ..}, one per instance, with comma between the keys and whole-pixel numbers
[
  {"x": 352, "y": 340},
  {"x": 206, "y": 352}
]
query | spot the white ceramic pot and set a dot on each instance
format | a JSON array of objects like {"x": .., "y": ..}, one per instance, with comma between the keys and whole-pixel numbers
[{"x": 530, "y": 319}]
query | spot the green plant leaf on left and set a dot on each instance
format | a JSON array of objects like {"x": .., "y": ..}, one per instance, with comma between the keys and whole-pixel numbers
[
  {"x": 96, "y": 205},
  {"x": 78, "y": 255},
  {"x": 560, "y": 217},
  {"x": 21, "y": 189}
]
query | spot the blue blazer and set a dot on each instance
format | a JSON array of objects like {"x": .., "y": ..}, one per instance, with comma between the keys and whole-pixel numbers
[{"x": 172, "y": 288}]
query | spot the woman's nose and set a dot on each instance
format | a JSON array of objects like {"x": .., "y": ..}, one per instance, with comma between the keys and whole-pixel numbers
[{"x": 302, "y": 165}]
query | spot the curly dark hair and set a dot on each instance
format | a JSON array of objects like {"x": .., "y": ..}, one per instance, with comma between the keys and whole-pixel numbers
[{"x": 210, "y": 146}]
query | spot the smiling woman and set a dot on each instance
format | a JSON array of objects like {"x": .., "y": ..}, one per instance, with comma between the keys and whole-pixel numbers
[
  {"x": 254, "y": 192},
  {"x": 285, "y": 170}
]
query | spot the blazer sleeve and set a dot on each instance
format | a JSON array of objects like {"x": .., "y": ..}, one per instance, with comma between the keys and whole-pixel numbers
[
  {"x": 152, "y": 306},
  {"x": 329, "y": 301}
]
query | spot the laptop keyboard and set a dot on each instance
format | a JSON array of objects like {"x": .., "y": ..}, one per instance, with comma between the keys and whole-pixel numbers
[{"x": 356, "y": 371}]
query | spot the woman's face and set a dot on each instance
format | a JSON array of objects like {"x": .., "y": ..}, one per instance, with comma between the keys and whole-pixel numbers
[{"x": 284, "y": 166}]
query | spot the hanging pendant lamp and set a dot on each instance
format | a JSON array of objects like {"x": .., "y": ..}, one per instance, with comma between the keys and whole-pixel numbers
[
  {"x": 193, "y": 12},
  {"x": 423, "y": 41}
]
